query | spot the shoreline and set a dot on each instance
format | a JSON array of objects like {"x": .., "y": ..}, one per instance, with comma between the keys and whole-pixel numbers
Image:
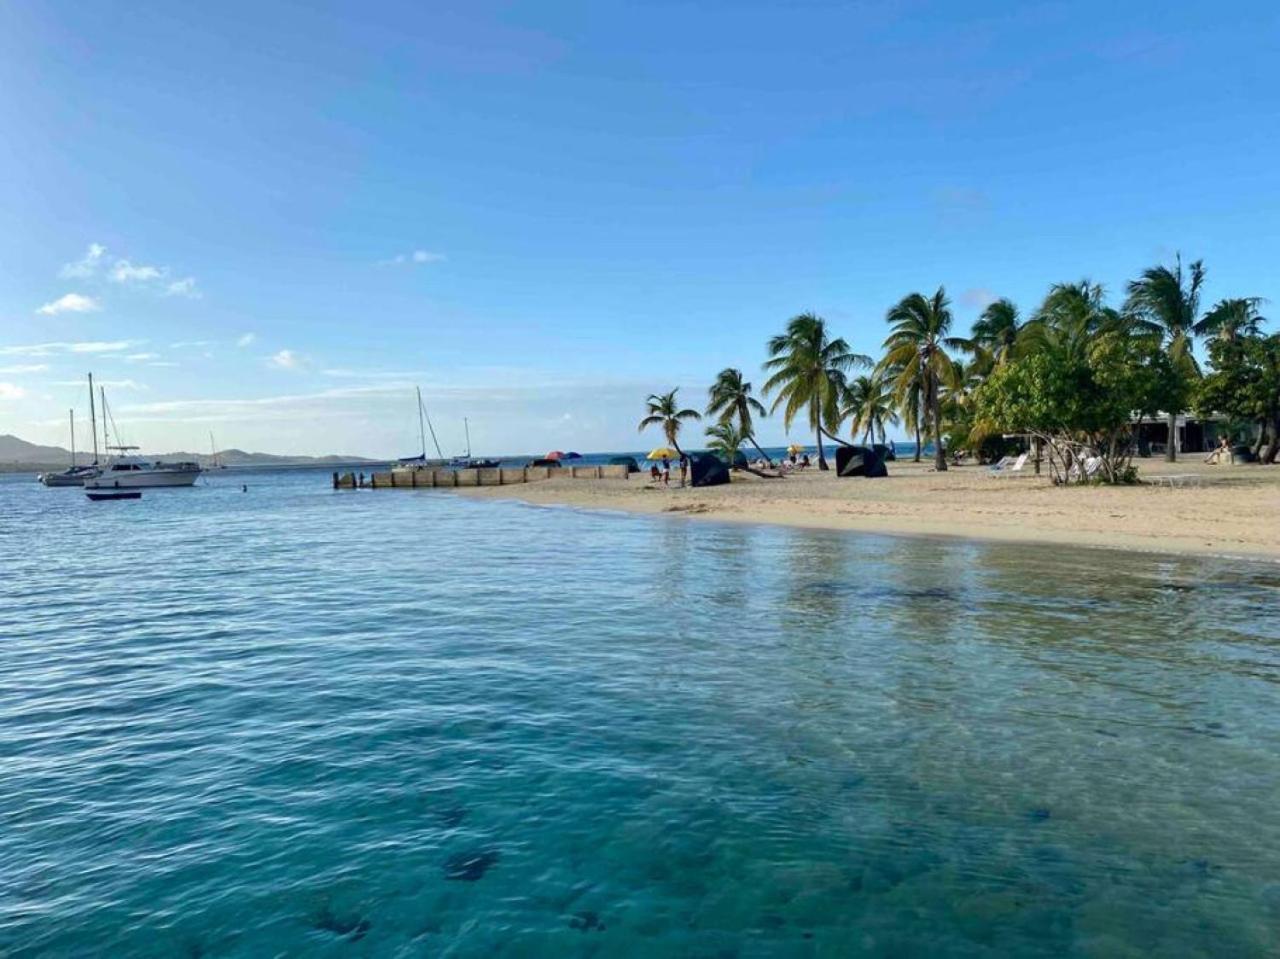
[{"x": 1230, "y": 516}]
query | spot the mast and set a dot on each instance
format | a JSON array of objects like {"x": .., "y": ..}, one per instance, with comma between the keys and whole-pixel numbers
[
  {"x": 421, "y": 433},
  {"x": 213, "y": 459},
  {"x": 93, "y": 422},
  {"x": 106, "y": 440},
  {"x": 467, "y": 429},
  {"x": 72, "y": 417}
]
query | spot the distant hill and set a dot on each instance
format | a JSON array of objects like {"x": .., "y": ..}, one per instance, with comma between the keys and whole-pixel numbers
[{"x": 18, "y": 453}]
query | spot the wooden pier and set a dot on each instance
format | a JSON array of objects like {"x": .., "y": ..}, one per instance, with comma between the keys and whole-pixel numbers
[{"x": 441, "y": 478}]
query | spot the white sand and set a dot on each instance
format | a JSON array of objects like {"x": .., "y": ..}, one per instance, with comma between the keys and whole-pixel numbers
[{"x": 1235, "y": 512}]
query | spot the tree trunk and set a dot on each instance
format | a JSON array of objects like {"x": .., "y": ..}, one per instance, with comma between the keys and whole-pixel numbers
[
  {"x": 822, "y": 460},
  {"x": 939, "y": 454},
  {"x": 1171, "y": 448},
  {"x": 763, "y": 455},
  {"x": 1272, "y": 449},
  {"x": 917, "y": 456}
]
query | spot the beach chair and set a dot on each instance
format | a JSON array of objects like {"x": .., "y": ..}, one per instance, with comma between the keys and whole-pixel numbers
[
  {"x": 1013, "y": 470},
  {"x": 1001, "y": 463}
]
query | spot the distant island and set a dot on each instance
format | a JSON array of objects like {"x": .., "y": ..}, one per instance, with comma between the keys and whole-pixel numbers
[{"x": 19, "y": 456}]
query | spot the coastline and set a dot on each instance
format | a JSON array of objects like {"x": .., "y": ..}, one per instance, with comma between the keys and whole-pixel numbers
[{"x": 1230, "y": 514}]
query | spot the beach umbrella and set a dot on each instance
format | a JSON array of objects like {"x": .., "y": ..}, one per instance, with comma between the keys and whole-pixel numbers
[
  {"x": 795, "y": 448},
  {"x": 573, "y": 456},
  {"x": 554, "y": 455},
  {"x": 664, "y": 453}
]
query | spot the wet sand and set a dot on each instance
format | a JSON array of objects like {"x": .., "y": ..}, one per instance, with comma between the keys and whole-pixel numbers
[{"x": 1234, "y": 511}]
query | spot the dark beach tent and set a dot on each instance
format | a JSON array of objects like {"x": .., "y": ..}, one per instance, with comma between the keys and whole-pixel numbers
[
  {"x": 740, "y": 460},
  {"x": 630, "y": 462},
  {"x": 545, "y": 462},
  {"x": 859, "y": 461},
  {"x": 886, "y": 452},
  {"x": 707, "y": 470}
]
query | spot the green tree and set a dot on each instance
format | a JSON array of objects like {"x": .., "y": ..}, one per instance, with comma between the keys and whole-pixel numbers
[
  {"x": 1166, "y": 303},
  {"x": 917, "y": 347},
  {"x": 808, "y": 372},
  {"x": 1231, "y": 319},
  {"x": 997, "y": 331},
  {"x": 1244, "y": 384},
  {"x": 869, "y": 404},
  {"x": 726, "y": 440},
  {"x": 730, "y": 401},
  {"x": 664, "y": 411}
]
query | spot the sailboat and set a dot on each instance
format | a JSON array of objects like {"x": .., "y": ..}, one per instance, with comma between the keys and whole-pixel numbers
[
  {"x": 74, "y": 475},
  {"x": 126, "y": 471},
  {"x": 466, "y": 461},
  {"x": 214, "y": 463},
  {"x": 424, "y": 424}
]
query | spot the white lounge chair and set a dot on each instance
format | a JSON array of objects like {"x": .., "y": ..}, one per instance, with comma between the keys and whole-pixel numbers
[{"x": 1017, "y": 466}]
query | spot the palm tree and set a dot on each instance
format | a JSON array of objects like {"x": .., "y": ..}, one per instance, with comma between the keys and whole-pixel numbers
[
  {"x": 665, "y": 411},
  {"x": 1166, "y": 302},
  {"x": 730, "y": 399},
  {"x": 1232, "y": 319},
  {"x": 917, "y": 347},
  {"x": 1071, "y": 317},
  {"x": 869, "y": 403},
  {"x": 997, "y": 331},
  {"x": 808, "y": 371},
  {"x": 726, "y": 441}
]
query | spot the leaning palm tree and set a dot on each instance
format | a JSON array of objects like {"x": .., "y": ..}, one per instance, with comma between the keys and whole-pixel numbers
[
  {"x": 1233, "y": 319},
  {"x": 869, "y": 404},
  {"x": 997, "y": 331},
  {"x": 1166, "y": 302},
  {"x": 730, "y": 401},
  {"x": 726, "y": 441},
  {"x": 917, "y": 347},
  {"x": 808, "y": 373},
  {"x": 664, "y": 411}
]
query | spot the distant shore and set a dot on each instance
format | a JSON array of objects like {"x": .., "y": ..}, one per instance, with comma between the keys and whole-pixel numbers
[{"x": 1232, "y": 512}]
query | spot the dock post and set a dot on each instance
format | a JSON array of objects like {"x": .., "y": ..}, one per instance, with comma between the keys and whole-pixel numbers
[{"x": 335, "y": 479}]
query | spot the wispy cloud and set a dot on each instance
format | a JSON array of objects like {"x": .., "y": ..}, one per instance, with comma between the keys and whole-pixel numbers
[
  {"x": 87, "y": 265},
  {"x": 285, "y": 360},
  {"x": 90, "y": 346},
  {"x": 11, "y": 391},
  {"x": 70, "y": 303},
  {"x": 372, "y": 374},
  {"x": 98, "y": 264},
  {"x": 190, "y": 344},
  {"x": 416, "y": 257},
  {"x": 25, "y": 368},
  {"x": 270, "y": 407},
  {"x": 141, "y": 357},
  {"x": 184, "y": 287},
  {"x": 246, "y": 339},
  {"x": 977, "y": 298}
]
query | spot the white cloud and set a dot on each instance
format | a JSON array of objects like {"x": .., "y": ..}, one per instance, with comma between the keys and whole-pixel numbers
[
  {"x": 184, "y": 287},
  {"x": 417, "y": 256},
  {"x": 28, "y": 368},
  {"x": 977, "y": 298},
  {"x": 70, "y": 303},
  {"x": 49, "y": 349},
  {"x": 246, "y": 339},
  {"x": 87, "y": 265},
  {"x": 371, "y": 374},
  {"x": 125, "y": 272},
  {"x": 190, "y": 344},
  {"x": 141, "y": 357},
  {"x": 285, "y": 360},
  {"x": 11, "y": 391}
]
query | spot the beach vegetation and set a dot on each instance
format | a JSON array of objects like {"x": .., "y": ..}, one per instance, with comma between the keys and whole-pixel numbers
[
  {"x": 726, "y": 439},
  {"x": 809, "y": 373},
  {"x": 1244, "y": 385},
  {"x": 664, "y": 411},
  {"x": 729, "y": 400},
  {"x": 869, "y": 405}
]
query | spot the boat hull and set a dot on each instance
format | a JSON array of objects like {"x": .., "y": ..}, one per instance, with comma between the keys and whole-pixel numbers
[
  {"x": 143, "y": 479},
  {"x": 108, "y": 495},
  {"x": 64, "y": 478}
]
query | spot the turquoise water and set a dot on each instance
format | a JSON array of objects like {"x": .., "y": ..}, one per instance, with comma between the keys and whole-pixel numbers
[{"x": 291, "y": 722}]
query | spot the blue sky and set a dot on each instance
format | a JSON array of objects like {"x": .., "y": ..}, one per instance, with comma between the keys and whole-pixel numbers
[{"x": 605, "y": 199}]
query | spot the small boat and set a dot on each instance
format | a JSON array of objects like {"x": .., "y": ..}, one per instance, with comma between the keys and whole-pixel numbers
[
  {"x": 467, "y": 461},
  {"x": 126, "y": 471},
  {"x": 110, "y": 494},
  {"x": 73, "y": 475}
]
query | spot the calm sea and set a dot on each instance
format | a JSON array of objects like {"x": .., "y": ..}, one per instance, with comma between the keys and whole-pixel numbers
[{"x": 293, "y": 722}]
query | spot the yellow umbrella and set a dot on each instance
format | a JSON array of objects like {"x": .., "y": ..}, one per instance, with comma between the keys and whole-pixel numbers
[
  {"x": 795, "y": 448},
  {"x": 664, "y": 452}
]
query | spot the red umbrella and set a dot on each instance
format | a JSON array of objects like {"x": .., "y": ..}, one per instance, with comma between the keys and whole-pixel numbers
[{"x": 554, "y": 455}]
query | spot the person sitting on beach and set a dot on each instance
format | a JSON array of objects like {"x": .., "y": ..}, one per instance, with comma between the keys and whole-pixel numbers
[
  {"x": 655, "y": 474},
  {"x": 1223, "y": 449},
  {"x": 804, "y": 461}
]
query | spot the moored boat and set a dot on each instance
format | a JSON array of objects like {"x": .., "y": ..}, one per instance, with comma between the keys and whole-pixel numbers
[
  {"x": 107, "y": 495},
  {"x": 134, "y": 472}
]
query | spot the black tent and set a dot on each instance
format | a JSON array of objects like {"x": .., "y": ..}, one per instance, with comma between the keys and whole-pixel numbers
[
  {"x": 628, "y": 461},
  {"x": 740, "y": 460},
  {"x": 886, "y": 452},
  {"x": 707, "y": 470},
  {"x": 859, "y": 461}
]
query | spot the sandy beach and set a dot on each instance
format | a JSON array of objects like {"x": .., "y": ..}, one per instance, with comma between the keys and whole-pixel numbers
[{"x": 1234, "y": 510}]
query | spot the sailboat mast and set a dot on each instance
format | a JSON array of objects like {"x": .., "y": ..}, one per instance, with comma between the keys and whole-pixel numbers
[
  {"x": 422, "y": 435},
  {"x": 71, "y": 415},
  {"x": 106, "y": 440},
  {"x": 93, "y": 422},
  {"x": 466, "y": 428}
]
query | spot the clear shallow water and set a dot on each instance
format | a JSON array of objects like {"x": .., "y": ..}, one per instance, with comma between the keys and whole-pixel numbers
[{"x": 294, "y": 722}]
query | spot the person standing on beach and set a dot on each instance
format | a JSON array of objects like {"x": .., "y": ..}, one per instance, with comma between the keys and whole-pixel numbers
[
  {"x": 666, "y": 471},
  {"x": 684, "y": 468}
]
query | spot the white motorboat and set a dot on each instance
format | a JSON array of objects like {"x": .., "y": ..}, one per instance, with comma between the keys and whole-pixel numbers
[{"x": 134, "y": 472}]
